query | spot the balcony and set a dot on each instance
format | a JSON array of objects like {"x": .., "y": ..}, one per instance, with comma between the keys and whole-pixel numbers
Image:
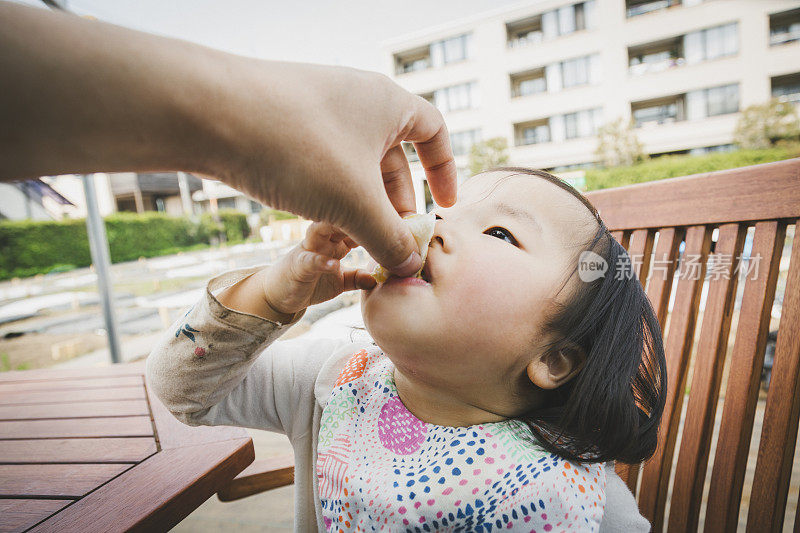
[
  {"x": 786, "y": 88},
  {"x": 634, "y": 8},
  {"x": 410, "y": 151},
  {"x": 413, "y": 60},
  {"x": 430, "y": 97},
  {"x": 529, "y": 82},
  {"x": 659, "y": 111},
  {"x": 784, "y": 27},
  {"x": 532, "y": 132},
  {"x": 524, "y": 32},
  {"x": 656, "y": 56},
  {"x": 565, "y": 20}
]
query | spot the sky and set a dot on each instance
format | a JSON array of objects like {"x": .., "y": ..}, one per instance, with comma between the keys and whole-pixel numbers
[{"x": 343, "y": 32}]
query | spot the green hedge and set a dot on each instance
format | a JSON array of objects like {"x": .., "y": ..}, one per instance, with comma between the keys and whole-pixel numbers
[
  {"x": 684, "y": 165},
  {"x": 36, "y": 247}
]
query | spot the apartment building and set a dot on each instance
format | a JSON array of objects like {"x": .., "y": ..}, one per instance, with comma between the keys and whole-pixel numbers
[{"x": 546, "y": 75}]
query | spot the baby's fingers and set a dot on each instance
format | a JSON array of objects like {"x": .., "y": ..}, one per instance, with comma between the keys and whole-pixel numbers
[
  {"x": 358, "y": 279},
  {"x": 310, "y": 264},
  {"x": 324, "y": 238}
]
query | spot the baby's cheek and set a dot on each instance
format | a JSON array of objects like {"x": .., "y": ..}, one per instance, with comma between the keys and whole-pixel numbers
[{"x": 477, "y": 285}]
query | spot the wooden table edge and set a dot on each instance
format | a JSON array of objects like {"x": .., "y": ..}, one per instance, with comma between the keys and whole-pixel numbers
[{"x": 164, "y": 500}]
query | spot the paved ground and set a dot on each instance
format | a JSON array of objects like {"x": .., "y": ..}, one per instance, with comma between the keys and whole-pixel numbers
[{"x": 47, "y": 320}]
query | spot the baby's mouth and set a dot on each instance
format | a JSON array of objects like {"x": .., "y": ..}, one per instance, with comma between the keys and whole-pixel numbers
[{"x": 426, "y": 272}]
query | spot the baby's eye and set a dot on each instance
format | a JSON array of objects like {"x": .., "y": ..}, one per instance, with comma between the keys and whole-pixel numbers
[{"x": 503, "y": 232}]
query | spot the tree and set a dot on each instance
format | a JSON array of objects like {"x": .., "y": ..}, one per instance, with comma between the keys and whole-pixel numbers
[
  {"x": 617, "y": 144},
  {"x": 488, "y": 154},
  {"x": 763, "y": 125}
]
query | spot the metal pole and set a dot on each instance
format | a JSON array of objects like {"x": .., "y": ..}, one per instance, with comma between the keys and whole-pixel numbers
[
  {"x": 98, "y": 244},
  {"x": 186, "y": 199}
]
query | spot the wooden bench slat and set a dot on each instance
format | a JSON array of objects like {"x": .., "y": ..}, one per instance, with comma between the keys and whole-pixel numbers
[
  {"x": 659, "y": 287},
  {"x": 656, "y": 472},
  {"x": 76, "y": 395},
  {"x": 741, "y": 393},
  {"x": 640, "y": 248},
  {"x": 70, "y": 481},
  {"x": 764, "y": 192},
  {"x": 690, "y": 471},
  {"x": 130, "y": 426},
  {"x": 19, "y": 515},
  {"x": 261, "y": 475},
  {"x": 9, "y": 387},
  {"x": 662, "y": 272},
  {"x": 74, "y": 410},
  {"x": 89, "y": 450},
  {"x": 779, "y": 433},
  {"x": 622, "y": 237}
]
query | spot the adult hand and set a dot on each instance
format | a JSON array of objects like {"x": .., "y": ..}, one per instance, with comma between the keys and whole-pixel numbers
[
  {"x": 322, "y": 142},
  {"x": 318, "y": 141}
]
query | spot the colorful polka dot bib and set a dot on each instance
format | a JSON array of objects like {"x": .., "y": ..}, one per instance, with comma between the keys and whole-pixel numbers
[{"x": 382, "y": 469}]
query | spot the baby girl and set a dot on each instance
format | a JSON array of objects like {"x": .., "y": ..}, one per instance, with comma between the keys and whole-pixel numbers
[{"x": 498, "y": 385}]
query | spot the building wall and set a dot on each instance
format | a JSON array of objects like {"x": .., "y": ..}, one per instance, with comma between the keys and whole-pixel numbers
[
  {"x": 492, "y": 61},
  {"x": 15, "y": 205}
]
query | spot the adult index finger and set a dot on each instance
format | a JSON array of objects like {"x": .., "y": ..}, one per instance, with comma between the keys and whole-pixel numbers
[{"x": 432, "y": 142}]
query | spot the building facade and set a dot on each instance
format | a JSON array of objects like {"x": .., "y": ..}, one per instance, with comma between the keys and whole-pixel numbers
[{"x": 546, "y": 75}]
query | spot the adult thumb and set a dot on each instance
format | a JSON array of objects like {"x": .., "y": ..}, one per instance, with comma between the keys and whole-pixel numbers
[{"x": 382, "y": 232}]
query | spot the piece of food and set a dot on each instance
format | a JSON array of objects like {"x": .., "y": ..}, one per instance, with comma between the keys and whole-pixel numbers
[{"x": 421, "y": 227}]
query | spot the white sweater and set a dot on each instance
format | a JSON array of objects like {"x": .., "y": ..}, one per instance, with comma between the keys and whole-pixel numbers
[{"x": 216, "y": 366}]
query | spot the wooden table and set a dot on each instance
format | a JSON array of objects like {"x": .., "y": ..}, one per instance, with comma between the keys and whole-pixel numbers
[{"x": 94, "y": 450}]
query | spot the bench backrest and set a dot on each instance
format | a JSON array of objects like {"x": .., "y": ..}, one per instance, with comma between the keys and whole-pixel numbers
[{"x": 694, "y": 229}]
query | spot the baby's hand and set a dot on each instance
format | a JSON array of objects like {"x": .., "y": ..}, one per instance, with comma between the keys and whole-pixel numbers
[{"x": 311, "y": 272}]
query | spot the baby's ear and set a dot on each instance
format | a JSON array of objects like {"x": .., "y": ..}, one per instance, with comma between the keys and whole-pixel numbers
[{"x": 554, "y": 368}]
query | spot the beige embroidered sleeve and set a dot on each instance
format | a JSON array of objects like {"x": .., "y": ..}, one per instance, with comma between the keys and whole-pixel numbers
[{"x": 217, "y": 366}]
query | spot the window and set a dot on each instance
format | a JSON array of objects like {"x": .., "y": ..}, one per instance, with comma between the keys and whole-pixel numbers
[
  {"x": 711, "y": 43},
  {"x": 568, "y": 19},
  {"x": 524, "y": 32},
  {"x": 713, "y": 149},
  {"x": 656, "y": 56},
  {"x": 659, "y": 110},
  {"x": 581, "y": 123},
  {"x": 784, "y": 27},
  {"x": 462, "y": 141},
  {"x": 526, "y": 83},
  {"x": 713, "y": 101},
  {"x": 451, "y": 50},
  {"x": 640, "y": 7},
  {"x": 410, "y": 151},
  {"x": 558, "y": 128},
  {"x": 457, "y": 97},
  {"x": 436, "y": 54},
  {"x": 572, "y": 73},
  {"x": 551, "y": 24},
  {"x": 786, "y": 88},
  {"x": 722, "y": 100},
  {"x": 429, "y": 97},
  {"x": 579, "y": 71},
  {"x": 534, "y": 132},
  {"x": 429, "y": 203},
  {"x": 413, "y": 60}
]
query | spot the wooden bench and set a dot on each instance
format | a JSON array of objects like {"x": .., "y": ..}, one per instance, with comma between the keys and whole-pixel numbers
[{"x": 669, "y": 226}]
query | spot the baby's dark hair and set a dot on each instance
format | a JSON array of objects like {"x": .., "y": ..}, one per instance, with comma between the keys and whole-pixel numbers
[{"x": 612, "y": 408}]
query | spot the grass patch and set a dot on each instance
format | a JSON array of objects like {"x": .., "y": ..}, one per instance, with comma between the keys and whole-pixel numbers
[{"x": 684, "y": 165}]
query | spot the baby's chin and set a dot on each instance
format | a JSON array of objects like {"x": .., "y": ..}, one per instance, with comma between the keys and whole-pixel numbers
[{"x": 392, "y": 322}]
